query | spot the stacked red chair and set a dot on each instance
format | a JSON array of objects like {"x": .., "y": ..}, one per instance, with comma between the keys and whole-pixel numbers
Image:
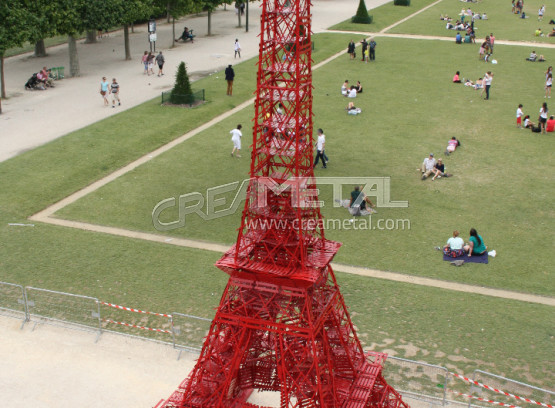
[{"x": 282, "y": 324}]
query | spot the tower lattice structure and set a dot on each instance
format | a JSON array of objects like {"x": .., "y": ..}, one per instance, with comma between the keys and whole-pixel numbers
[{"x": 282, "y": 324}]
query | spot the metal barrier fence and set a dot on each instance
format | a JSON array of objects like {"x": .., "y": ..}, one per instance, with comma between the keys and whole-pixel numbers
[
  {"x": 430, "y": 384},
  {"x": 189, "y": 331},
  {"x": 507, "y": 386},
  {"x": 83, "y": 311},
  {"x": 12, "y": 301},
  {"x": 169, "y": 97},
  {"x": 426, "y": 382}
]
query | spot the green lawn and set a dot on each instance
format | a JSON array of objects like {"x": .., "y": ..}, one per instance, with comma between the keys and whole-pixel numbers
[
  {"x": 501, "y": 22},
  {"x": 430, "y": 111},
  {"x": 502, "y": 186},
  {"x": 383, "y": 16}
]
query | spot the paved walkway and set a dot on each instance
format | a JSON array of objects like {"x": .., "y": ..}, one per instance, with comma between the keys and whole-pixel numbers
[{"x": 30, "y": 119}]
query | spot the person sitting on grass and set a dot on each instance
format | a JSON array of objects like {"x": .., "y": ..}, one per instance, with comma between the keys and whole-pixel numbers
[
  {"x": 454, "y": 247},
  {"x": 445, "y": 17},
  {"x": 458, "y": 38},
  {"x": 528, "y": 124},
  {"x": 538, "y": 33},
  {"x": 552, "y": 33},
  {"x": 550, "y": 125},
  {"x": 533, "y": 57},
  {"x": 360, "y": 202},
  {"x": 345, "y": 88},
  {"x": 352, "y": 93},
  {"x": 475, "y": 245},
  {"x": 457, "y": 78},
  {"x": 439, "y": 170},
  {"x": 452, "y": 145},
  {"x": 357, "y": 87},
  {"x": 428, "y": 166}
]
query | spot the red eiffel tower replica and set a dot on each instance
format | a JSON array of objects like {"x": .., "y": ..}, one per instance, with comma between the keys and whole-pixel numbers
[{"x": 282, "y": 324}]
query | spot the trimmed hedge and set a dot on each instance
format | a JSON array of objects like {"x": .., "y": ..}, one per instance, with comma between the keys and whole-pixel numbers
[
  {"x": 401, "y": 2},
  {"x": 362, "y": 20},
  {"x": 362, "y": 16}
]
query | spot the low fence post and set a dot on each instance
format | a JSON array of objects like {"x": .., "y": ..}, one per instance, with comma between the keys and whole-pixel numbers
[{"x": 14, "y": 301}]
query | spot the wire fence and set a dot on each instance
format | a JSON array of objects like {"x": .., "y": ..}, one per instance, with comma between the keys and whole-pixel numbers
[
  {"x": 170, "y": 97},
  {"x": 427, "y": 384}
]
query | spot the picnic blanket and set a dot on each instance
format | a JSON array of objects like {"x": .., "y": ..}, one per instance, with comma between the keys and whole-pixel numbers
[{"x": 473, "y": 259}]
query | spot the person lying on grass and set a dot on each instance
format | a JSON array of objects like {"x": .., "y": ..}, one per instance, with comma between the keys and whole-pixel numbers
[
  {"x": 452, "y": 145},
  {"x": 352, "y": 109}
]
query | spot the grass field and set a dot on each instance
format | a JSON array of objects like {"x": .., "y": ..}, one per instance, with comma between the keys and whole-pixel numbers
[
  {"x": 501, "y": 22},
  {"x": 361, "y": 146},
  {"x": 502, "y": 186},
  {"x": 383, "y": 17}
]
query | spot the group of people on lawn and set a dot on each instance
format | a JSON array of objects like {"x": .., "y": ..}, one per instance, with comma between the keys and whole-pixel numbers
[{"x": 456, "y": 247}]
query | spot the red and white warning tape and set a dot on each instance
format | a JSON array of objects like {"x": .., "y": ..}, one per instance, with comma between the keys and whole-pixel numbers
[
  {"x": 484, "y": 399},
  {"x": 508, "y": 394},
  {"x": 137, "y": 327},
  {"x": 129, "y": 309}
]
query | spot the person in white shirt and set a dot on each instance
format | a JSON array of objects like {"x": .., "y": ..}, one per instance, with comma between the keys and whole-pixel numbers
[
  {"x": 548, "y": 85},
  {"x": 320, "y": 146},
  {"x": 236, "y": 136},
  {"x": 488, "y": 78},
  {"x": 519, "y": 115},
  {"x": 237, "y": 48},
  {"x": 428, "y": 166},
  {"x": 352, "y": 93},
  {"x": 454, "y": 247}
]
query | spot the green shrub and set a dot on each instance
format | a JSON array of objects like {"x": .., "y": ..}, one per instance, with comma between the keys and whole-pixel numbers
[
  {"x": 362, "y": 20},
  {"x": 401, "y": 2},
  {"x": 181, "y": 92},
  {"x": 362, "y": 16}
]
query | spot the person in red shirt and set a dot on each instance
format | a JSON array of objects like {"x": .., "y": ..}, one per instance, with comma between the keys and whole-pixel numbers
[{"x": 550, "y": 125}]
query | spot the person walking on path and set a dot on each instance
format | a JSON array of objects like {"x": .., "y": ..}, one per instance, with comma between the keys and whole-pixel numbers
[
  {"x": 144, "y": 61},
  {"x": 229, "y": 76},
  {"x": 236, "y": 136},
  {"x": 372, "y": 46},
  {"x": 104, "y": 84},
  {"x": 351, "y": 49},
  {"x": 150, "y": 63},
  {"x": 160, "y": 61},
  {"x": 488, "y": 78},
  {"x": 114, "y": 90},
  {"x": 320, "y": 146},
  {"x": 237, "y": 48},
  {"x": 364, "y": 47}
]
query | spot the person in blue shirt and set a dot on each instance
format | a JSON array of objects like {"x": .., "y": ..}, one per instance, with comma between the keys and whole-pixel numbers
[
  {"x": 458, "y": 38},
  {"x": 104, "y": 90}
]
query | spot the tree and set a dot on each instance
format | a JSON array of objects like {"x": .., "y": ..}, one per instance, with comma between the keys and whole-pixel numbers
[
  {"x": 362, "y": 16},
  {"x": 44, "y": 12},
  {"x": 181, "y": 92},
  {"x": 209, "y": 6},
  {"x": 129, "y": 11},
  {"x": 16, "y": 28},
  {"x": 175, "y": 9},
  {"x": 77, "y": 16}
]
